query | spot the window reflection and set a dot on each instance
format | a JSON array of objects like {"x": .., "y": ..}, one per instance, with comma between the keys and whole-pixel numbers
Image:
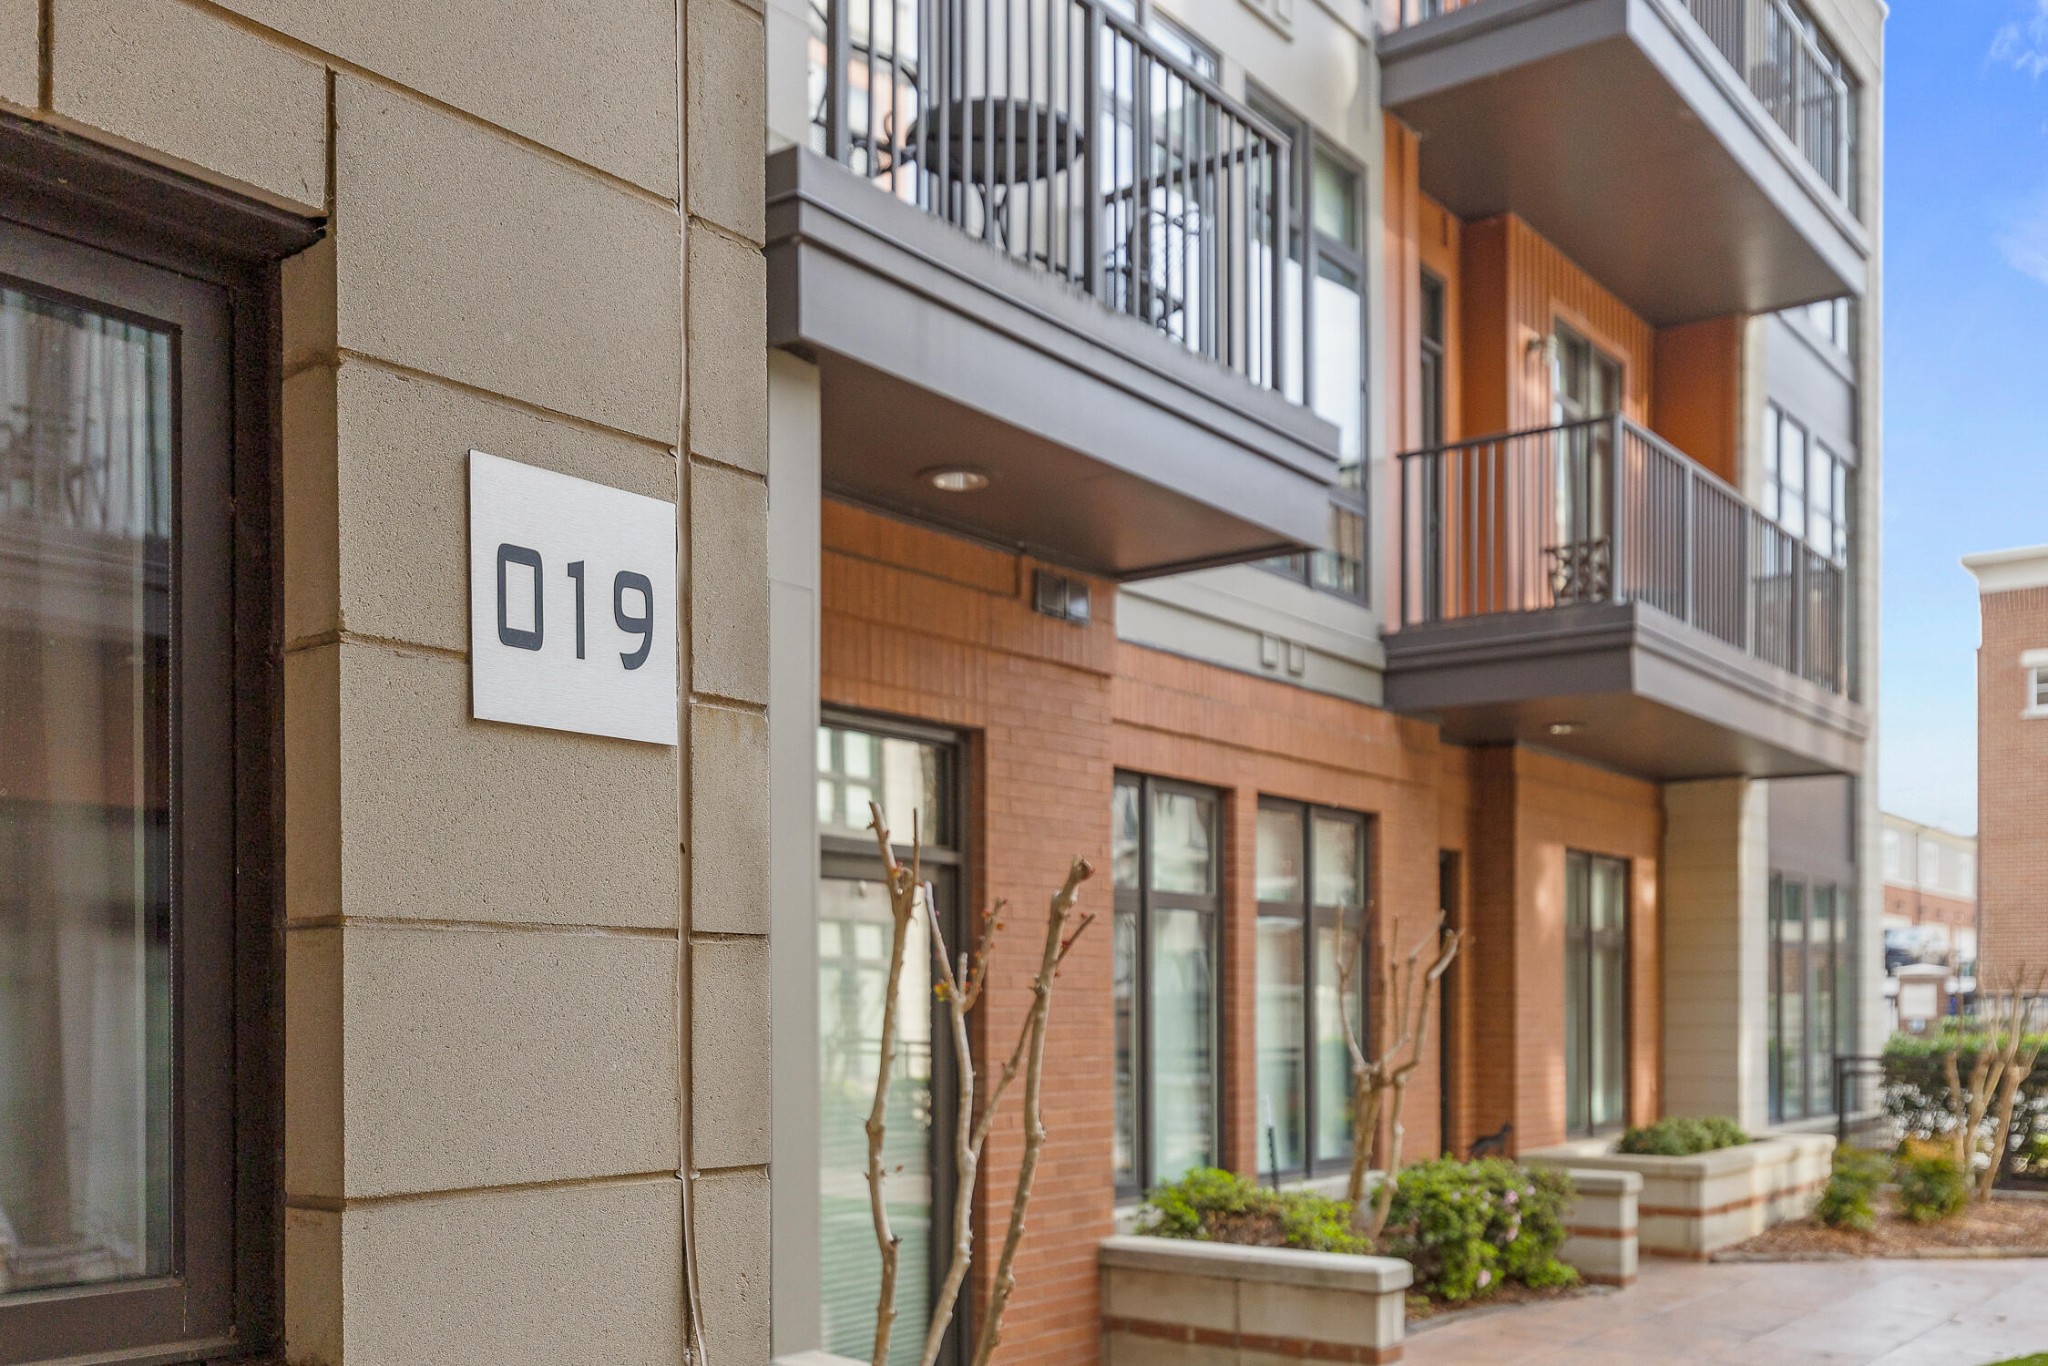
[{"x": 85, "y": 892}]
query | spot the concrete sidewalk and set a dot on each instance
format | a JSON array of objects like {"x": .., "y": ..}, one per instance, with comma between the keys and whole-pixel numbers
[{"x": 1899, "y": 1313}]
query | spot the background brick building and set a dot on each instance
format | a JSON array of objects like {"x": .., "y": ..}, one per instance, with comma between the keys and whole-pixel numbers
[{"x": 2012, "y": 758}]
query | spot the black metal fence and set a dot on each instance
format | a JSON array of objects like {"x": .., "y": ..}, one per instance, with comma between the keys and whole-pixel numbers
[
  {"x": 1078, "y": 142},
  {"x": 1881, "y": 1101},
  {"x": 1604, "y": 510}
]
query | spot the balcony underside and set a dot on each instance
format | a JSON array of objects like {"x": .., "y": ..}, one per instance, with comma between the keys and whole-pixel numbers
[
  {"x": 1110, "y": 447},
  {"x": 1618, "y": 131},
  {"x": 1641, "y": 693}
]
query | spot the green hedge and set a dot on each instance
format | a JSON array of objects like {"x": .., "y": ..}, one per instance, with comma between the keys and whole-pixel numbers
[
  {"x": 1678, "y": 1136},
  {"x": 1916, "y": 1093},
  {"x": 1211, "y": 1205}
]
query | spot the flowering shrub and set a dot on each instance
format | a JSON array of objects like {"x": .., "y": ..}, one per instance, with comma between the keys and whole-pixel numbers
[{"x": 1468, "y": 1227}]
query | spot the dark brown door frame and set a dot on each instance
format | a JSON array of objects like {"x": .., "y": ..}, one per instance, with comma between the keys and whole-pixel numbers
[{"x": 118, "y": 235}]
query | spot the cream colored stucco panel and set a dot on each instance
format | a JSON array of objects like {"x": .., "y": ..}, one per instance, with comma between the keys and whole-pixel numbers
[
  {"x": 403, "y": 452},
  {"x": 727, "y": 113},
  {"x": 594, "y": 81},
  {"x": 172, "y": 79},
  {"x": 479, "y": 1057},
  {"x": 445, "y": 818},
  {"x": 728, "y": 549},
  {"x": 732, "y": 1211},
  {"x": 563, "y": 1276},
  {"x": 20, "y": 52},
  {"x": 729, "y": 352},
  {"x": 463, "y": 254},
  {"x": 729, "y": 1021}
]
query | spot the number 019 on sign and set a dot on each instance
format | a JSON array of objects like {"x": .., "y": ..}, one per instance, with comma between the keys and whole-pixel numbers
[{"x": 572, "y": 603}]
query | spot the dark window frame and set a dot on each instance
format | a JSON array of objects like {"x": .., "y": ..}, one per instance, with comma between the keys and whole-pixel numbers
[
  {"x": 1310, "y": 248},
  {"x": 121, "y": 236},
  {"x": 949, "y": 869},
  {"x": 1816, "y": 1066},
  {"x": 1580, "y": 948},
  {"x": 1307, "y": 911},
  {"x": 1139, "y": 903}
]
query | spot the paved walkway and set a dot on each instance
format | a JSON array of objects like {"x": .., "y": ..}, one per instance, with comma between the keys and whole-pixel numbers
[{"x": 1903, "y": 1313}]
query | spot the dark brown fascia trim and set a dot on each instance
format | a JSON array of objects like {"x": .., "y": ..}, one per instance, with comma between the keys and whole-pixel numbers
[{"x": 42, "y": 165}]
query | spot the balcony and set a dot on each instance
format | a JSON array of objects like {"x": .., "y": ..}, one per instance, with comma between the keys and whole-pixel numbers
[
  {"x": 1695, "y": 156},
  {"x": 1031, "y": 238},
  {"x": 1590, "y": 589}
]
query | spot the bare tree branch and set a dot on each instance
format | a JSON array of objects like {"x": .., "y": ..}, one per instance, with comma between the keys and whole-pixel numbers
[
  {"x": 905, "y": 887},
  {"x": 1379, "y": 1081},
  {"x": 1057, "y": 944}
]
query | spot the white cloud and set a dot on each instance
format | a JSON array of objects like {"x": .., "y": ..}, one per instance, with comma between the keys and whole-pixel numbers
[
  {"x": 2023, "y": 43},
  {"x": 2024, "y": 242}
]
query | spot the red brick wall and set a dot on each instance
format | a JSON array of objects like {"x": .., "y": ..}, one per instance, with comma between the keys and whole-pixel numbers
[
  {"x": 1525, "y": 810},
  {"x": 2012, "y": 788},
  {"x": 921, "y": 625},
  {"x": 1925, "y": 908},
  {"x": 1253, "y": 737}
]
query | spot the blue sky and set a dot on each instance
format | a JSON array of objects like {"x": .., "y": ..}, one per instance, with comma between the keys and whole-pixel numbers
[{"x": 1966, "y": 366}]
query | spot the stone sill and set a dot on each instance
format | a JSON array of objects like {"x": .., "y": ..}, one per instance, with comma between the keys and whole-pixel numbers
[{"x": 1278, "y": 1265}]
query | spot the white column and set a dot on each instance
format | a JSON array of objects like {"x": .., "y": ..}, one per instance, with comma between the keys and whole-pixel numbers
[
  {"x": 793, "y": 606},
  {"x": 1716, "y": 973}
]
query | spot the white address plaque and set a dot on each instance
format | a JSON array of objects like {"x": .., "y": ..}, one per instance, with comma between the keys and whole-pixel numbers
[{"x": 572, "y": 603}]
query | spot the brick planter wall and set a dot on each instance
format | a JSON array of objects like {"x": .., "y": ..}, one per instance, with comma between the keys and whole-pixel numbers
[
  {"x": 1693, "y": 1207},
  {"x": 1168, "y": 1300},
  {"x": 1601, "y": 1225}
]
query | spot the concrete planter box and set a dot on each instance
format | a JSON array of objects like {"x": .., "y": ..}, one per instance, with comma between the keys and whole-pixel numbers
[
  {"x": 1168, "y": 1300},
  {"x": 1601, "y": 1225},
  {"x": 1694, "y": 1206}
]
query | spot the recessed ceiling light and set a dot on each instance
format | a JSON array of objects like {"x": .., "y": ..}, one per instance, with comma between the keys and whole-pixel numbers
[
  {"x": 1565, "y": 727},
  {"x": 955, "y": 478}
]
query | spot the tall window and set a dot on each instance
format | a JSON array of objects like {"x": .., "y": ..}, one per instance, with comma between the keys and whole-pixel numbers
[
  {"x": 912, "y": 775},
  {"x": 1585, "y": 384},
  {"x": 136, "y": 1193},
  {"x": 1596, "y": 992},
  {"x": 1806, "y": 486},
  {"x": 1434, "y": 333},
  {"x": 1312, "y": 877},
  {"x": 1431, "y": 492},
  {"x": 1331, "y": 311},
  {"x": 1812, "y": 1002},
  {"x": 1166, "y": 837}
]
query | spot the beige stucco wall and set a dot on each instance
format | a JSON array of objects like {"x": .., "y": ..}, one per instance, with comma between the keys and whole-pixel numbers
[{"x": 527, "y": 971}]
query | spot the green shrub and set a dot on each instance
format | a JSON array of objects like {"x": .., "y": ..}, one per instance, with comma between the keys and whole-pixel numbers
[
  {"x": 1845, "y": 1201},
  {"x": 1679, "y": 1136},
  {"x": 1467, "y": 1227},
  {"x": 1931, "y": 1185},
  {"x": 1218, "y": 1206}
]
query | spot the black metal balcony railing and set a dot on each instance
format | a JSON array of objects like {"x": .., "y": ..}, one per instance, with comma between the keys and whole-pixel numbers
[
  {"x": 1068, "y": 138},
  {"x": 1604, "y": 511},
  {"x": 1774, "y": 47}
]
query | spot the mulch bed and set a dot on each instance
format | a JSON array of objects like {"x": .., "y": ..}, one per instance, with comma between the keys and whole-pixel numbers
[
  {"x": 1423, "y": 1310},
  {"x": 2003, "y": 1226}
]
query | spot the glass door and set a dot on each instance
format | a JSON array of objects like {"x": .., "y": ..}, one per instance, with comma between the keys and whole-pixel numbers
[
  {"x": 910, "y": 777},
  {"x": 1596, "y": 993},
  {"x": 1585, "y": 385}
]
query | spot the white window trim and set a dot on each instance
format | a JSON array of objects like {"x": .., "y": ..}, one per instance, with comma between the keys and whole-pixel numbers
[{"x": 2034, "y": 664}]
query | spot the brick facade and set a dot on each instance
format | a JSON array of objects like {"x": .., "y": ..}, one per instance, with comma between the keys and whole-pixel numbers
[
  {"x": 2012, "y": 787},
  {"x": 920, "y": 625}
]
